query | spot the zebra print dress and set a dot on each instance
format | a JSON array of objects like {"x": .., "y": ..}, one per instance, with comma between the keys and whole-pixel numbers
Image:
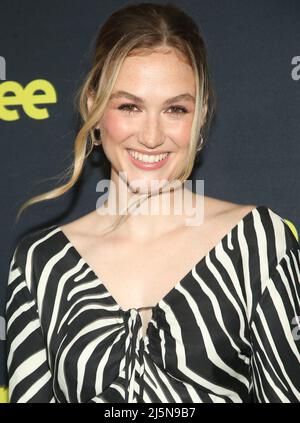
[{"x": 227, "y": 332}]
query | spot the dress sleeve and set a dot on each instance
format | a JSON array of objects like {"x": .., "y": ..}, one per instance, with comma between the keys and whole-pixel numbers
[
  {"x": 275, "y": 333},
  {"x": 29, "y": 375}
]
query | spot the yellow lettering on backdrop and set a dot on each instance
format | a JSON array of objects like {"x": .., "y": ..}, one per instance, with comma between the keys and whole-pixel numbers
[
  {"x": 27, "y": 98},
  {"x": 3, "y": 395}
]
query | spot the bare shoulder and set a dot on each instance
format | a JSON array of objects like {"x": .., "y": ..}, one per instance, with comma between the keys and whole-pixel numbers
[
  {"x": 86, "y": 225},
  {"x": 237, "y": 212},
  {"x": 227, "y": 212}
]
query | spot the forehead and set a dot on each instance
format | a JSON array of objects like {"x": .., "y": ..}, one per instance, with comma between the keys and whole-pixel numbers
[{"x": 156, "y": 68}]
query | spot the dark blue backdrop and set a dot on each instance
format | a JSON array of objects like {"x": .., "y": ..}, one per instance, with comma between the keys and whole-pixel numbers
[{"x": 253, "y": 150}]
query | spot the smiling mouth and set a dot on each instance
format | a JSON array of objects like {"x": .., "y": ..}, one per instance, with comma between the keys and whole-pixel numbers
[
  {"x": 148, "y": 161},
  {"x": 147, "y": 158}
]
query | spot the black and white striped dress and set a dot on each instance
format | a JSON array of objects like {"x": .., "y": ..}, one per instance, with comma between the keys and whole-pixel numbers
[{"x": 227, "y": 332}]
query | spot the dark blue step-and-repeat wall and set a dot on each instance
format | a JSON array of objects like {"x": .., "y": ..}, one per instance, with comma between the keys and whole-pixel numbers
[{"x": 253, "y": 151}]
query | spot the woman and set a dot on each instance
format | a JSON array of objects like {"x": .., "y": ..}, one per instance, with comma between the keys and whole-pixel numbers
[{"x": 153, "y": 309}]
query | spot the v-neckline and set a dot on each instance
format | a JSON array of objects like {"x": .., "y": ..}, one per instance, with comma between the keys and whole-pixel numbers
[{"x": 198, "y": 264}]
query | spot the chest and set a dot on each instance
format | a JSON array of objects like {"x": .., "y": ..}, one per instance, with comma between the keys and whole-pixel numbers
[{"x": 139, "y": 275}]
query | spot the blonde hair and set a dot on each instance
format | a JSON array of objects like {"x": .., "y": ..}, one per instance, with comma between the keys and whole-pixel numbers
[{"x": 131, "y": 30}]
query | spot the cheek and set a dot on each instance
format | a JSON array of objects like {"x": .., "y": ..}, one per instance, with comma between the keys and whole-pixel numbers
[
  {"x": 181, "y": 133},
  {"x": 115, "y": 127}
]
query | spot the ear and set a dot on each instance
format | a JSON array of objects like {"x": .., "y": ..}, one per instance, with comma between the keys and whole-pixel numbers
[{"x": 90, "y": 101}]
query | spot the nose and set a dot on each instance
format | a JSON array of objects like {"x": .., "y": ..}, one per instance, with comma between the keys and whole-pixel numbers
[{"x": 151, "y": 136}]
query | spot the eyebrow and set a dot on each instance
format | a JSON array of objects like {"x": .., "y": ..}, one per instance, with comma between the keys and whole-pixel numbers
[{"x": 185, "y": 96}]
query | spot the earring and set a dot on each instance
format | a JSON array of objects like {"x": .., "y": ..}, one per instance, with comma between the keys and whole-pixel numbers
[{"x": 97, "y": 135}]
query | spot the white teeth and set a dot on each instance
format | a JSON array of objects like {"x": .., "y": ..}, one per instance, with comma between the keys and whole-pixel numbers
[{"x": 147, "y": 158}]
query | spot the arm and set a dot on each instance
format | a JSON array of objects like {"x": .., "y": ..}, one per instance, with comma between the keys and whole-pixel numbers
[
  {"x": 30, "y": 379},
  {"x": 275, "y": 333}
]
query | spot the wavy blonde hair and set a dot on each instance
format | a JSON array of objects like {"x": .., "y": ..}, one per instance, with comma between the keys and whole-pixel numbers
[{"x": 138, "y": 29}]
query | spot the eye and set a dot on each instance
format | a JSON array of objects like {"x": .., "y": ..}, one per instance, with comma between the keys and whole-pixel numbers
[
  {"x": 180, "y": 110},
  {"x": 127, "y": 107}
]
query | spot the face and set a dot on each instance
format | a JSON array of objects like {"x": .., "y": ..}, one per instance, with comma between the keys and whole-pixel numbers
[{"x": 145, "y": 130}]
